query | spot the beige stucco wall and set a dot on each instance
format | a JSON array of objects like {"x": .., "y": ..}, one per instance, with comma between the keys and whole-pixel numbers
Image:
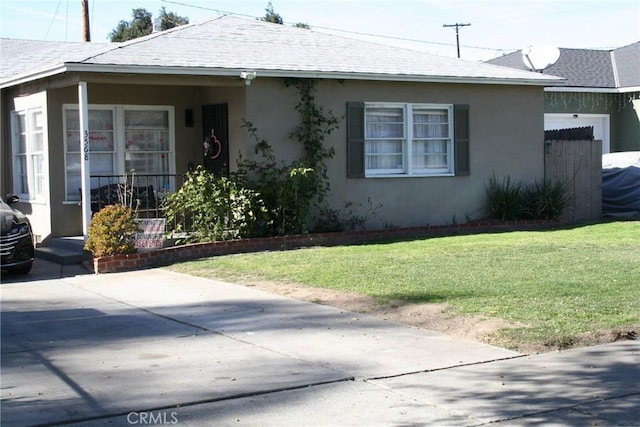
[{"x": 506, "y": 128}]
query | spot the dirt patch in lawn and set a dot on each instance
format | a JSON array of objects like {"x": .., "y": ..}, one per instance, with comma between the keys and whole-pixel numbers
[{"x": 431, "y": 316}]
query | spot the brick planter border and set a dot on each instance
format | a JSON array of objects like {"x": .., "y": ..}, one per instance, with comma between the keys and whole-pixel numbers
[{"x": 167, "y": 256}]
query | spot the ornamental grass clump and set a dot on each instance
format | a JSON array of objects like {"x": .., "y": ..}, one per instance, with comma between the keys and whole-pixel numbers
[
  {"x": 112, "y": 231},
  {"x": 540, "y": 200},
  {"x": 505, "y": 198},
  {"x": 546, "y": 199}
]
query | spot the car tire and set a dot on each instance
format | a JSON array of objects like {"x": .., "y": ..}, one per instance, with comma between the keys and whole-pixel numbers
[{"x": 23, "y": 269}]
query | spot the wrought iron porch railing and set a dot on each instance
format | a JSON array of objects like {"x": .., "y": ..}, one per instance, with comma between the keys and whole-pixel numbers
[{"x": 145, "y": 193}]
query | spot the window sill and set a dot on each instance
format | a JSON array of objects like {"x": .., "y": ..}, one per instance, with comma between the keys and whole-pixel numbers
[
  {"x": 438, "y": 175},
  {"x": 32, "y": 201}
]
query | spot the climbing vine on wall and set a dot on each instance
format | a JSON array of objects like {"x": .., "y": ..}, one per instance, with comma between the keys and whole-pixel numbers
[
  {"x": 315, "y": 125},
  {"x": 264, "y": 196}
]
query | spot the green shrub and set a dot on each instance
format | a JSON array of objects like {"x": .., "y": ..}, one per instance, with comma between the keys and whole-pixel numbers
[
  {"x": 112, "y": 231},
  {"x": 545, "y": 199},
  {"x": 264, "y": 197},
  {"x": 346, "y": 219},
  {"x": 217, "y": 208},
  {"x": 287, "y": 190},
  {"x": 505, "y": 199}
]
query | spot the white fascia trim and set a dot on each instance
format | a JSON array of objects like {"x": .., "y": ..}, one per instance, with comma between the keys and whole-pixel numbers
[
  {"x": 592, "y": 89},
  {"x": 228, "y": 72},
  {"x": 403, "y": 77},
  {"x": 26, "y": 78}
]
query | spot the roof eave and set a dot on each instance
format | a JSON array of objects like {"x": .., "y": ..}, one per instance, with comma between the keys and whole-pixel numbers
[
  {"x": 582, "y": 89},
  {"x": 32, "y": 76},
  {"x": 416, "y": 78},
  {"x": 235, "y": 72},
  {"x": 317, "y": 74}
]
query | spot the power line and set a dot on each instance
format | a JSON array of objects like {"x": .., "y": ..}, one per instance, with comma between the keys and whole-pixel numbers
[
  {"x": 358, "y": 33},
  {"x": 222, "y": 12},
  {"x": 53, "y": 20}
]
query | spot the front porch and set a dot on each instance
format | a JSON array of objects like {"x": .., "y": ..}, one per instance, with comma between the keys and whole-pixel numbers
[{"x": 146, "y": 194}]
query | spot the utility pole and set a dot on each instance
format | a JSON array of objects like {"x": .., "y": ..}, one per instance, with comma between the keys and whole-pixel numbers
[
  {"x": 86, "y": 32},
  {"x": 457, "y": 36}
]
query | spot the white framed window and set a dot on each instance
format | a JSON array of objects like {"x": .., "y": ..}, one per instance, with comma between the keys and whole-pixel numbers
[
  {"x": 102, "y": 146},
  {"x": 121, "y": 139},
  {"x": 28, "y": 153},
  {"x": 408, "y": 139},
  {"x": 147, "y": 136}
]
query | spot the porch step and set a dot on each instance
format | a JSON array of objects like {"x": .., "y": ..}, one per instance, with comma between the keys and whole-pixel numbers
[{"x": 63, "y": 250}]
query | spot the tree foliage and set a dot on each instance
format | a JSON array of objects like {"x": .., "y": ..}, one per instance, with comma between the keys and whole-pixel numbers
[
  {"x": 170, "y": 20},
  {"x": 272, "y": 16},
  {"x": 142, "y": 24}
]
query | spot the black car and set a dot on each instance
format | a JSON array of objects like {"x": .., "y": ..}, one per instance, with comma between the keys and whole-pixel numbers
[{"x": 16, "y": 238}]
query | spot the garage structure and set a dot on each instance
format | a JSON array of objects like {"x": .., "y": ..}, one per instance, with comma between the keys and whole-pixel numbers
[{"x": 602, "y": 89}]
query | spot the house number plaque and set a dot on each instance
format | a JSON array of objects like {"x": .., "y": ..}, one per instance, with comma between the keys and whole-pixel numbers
[{"x": 85, "y": 144}]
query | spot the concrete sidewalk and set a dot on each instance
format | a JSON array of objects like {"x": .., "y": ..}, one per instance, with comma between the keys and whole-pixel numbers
[{"x": 158, "y": 347}]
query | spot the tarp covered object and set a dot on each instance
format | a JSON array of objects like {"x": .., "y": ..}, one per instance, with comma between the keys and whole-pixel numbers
[{"x": 621, "y": 184}]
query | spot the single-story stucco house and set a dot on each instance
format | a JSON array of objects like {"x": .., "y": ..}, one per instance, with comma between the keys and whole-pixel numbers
[
  {"x": 420, "y": 135},
  {"x": 601, "y": 89}
]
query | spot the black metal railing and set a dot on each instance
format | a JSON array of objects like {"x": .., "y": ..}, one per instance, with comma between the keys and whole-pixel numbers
[{"x": 145, "y": 193}]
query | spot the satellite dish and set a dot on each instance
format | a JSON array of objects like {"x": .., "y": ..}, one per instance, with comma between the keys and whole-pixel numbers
[{"x": 538, "y": 58}]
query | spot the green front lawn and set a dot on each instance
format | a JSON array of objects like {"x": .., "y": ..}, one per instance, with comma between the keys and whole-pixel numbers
[{"x": 559, "y": 283}]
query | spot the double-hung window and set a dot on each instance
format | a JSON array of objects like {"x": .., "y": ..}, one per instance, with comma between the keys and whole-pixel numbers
[
  {"x": 28, "y": 153},
  {"x": 147, "y": 139},
  {"x": 121, "y": 139},
  {"x": 431, "y": 140},
  {"x": 408, "y": 139}
]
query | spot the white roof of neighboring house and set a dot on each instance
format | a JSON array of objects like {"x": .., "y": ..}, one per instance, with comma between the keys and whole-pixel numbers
[{"x": 226, "y": 46}]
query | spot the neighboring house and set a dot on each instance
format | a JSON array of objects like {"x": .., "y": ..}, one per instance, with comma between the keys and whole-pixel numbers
[
  {"x": 602, "y": 90},
  {"x": 420, "y": 135}
]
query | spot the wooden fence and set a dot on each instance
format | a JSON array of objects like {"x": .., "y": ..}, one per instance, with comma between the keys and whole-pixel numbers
[{"x": 580, "y": 164}]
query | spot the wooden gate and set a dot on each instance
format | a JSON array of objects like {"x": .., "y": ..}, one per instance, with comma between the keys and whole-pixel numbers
[{"x": 580, "y": 164}]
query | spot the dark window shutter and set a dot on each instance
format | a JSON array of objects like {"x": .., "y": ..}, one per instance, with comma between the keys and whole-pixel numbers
[
  {"x": 355, "y": 139},
  {"x": 461, "y": 126}
]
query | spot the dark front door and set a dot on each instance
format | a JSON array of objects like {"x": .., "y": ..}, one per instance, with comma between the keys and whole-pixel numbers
[{"x": 215, "y": 134}]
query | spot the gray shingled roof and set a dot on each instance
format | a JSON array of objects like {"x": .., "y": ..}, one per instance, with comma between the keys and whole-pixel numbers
[
  {"x": 627, "y": 61},
  {"x": 589, "y": 68},
  {"x": 227, "y": 44},
  {"x": 21, "y": 57}
]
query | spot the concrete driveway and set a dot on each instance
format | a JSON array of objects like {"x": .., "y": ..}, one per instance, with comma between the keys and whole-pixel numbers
[{"x": 158, "y": 347}]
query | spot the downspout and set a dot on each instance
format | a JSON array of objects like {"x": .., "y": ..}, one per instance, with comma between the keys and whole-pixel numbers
[{"x": 83, "y": 110}]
